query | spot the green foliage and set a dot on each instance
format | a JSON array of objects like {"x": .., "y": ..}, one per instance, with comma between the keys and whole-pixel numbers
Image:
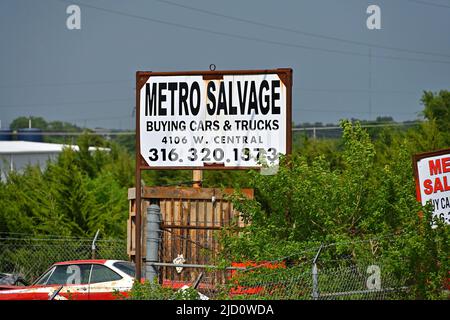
[
  {"x": 211, "y": 178},
  {"x": 312, "y": 148},
  {"x": 155, "y": 291},
  {"x": 419, "y": 256},
  {"x": 74, "y": 196},
  {"x": 52, "y": 126},
  {"x": 355, "y": 194},
  {"x": 312, "y": 201},
  {"x": 23, "y": 122},
  {"x": 149, "y": 291},
  {"x": 127, "y": 141},
  {"x": 437, "y": 107},
  {"x": 41, "y": 123}
]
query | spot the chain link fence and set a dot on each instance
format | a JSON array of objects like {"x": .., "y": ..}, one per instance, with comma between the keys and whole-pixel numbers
[
  {"x": 359, "y": 282},
  {"x": 299, "y": 284},
  {"x": 344, "y": 271},
  {"x": 31, "y": 256}
]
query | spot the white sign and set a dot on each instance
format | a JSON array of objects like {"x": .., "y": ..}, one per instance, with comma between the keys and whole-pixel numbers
[
  {"x": 237, "y": 121},
  {"x": 434, "y": 184}
]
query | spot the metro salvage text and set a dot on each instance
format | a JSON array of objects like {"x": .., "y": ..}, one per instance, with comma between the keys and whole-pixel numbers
[{"x": 224, "y": 98}]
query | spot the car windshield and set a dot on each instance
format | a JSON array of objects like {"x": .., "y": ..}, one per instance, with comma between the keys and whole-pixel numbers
[
  {"x": 43, "y": 279},
  {"x": 70, "y": 274},
  {"x": 127, "y": 267}
]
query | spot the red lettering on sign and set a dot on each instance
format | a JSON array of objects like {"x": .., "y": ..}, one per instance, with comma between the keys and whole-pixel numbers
[
  {"x": 446, "y": 185},
  {"x": 428, "y": 186},
  {"x": 435, "y": 167},
  {"x": 438, "y": 185},
  {"x": 446, "y": 165}
]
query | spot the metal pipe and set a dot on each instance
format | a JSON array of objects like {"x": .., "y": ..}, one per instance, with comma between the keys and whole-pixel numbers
[
  {"x": 93, "y": 247},
  {"x": 205, "y": 266},
  {"x": 137, "y": 239},
  {"x": 349, "y": 293},
  {"x": 315, "y": 275},
  {"x": 183, "y": 226},
  {"x": 317, "y": 254},
  {"x": 153, "y": 241},
  {"x": 197, "y": 281}
]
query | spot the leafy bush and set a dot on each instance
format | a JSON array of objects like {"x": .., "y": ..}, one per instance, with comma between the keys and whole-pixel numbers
[
  {"x": 155, "y": 291},
  {"x": 312, "y": 202}
]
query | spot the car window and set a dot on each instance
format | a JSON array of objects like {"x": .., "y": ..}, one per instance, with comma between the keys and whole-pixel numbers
[
  {"x": 70, "y": 274},
  {"x": 103, "y": 274},
  {"x": 127, "y": 267}
]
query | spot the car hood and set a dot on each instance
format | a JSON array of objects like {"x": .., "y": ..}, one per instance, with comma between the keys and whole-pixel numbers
[{"x": 11, "y": 287}]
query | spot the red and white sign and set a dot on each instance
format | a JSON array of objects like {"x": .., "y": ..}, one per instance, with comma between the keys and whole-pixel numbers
[{"x": 432, "y": 171}]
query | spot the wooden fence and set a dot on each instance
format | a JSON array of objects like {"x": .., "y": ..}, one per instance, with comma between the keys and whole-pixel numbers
[{"x": 191, "y": 217}]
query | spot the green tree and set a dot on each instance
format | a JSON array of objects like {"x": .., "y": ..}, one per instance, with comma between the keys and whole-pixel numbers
[
  {"x": 437, "y": 107},
  {"x": 74, "y": 196},
  {"x": 311, "y": 202},
  {"x": 23, "y": 122}
]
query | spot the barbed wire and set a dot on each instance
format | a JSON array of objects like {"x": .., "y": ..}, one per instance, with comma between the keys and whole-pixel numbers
[
  {"x": 187, "y": 239},
  {"x": 32, "y": 256},
  {"x": 59, "y": 239},
  {"x": 388, "y": 236},
  {"x": 323, "y": 246}
]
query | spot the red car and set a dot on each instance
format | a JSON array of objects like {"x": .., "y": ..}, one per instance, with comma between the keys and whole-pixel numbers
[{"x": 77, "y": 280}]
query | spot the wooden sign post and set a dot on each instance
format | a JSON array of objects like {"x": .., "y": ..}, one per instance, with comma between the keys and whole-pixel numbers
[{"x": 197, "y": 178}]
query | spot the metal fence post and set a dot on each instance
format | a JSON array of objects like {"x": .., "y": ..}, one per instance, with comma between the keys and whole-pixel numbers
[
  {"x": 315, "y": 275},
  {"x": 153, "y": 241},
  {"x": 93, "y": 247}
]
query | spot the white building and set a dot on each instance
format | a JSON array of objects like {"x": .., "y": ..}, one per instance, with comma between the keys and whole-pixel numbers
[{"x": 16, "y": 155}]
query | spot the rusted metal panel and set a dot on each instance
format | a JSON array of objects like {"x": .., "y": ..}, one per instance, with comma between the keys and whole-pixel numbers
[
  {"x": 191, "y": 217},
  {"x": 186, "y": 193}
]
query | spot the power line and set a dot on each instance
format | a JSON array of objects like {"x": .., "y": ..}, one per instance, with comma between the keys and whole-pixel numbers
[
  {"x": 132, "y": 132},
  {"x": 100, "y": 118},
  {"x": 52, "y": 104},
  {"x": 432, "y": 4},
  {"x": 296, "y": 31},
  {"x": 351, "y": 111},
  {"x": 210, "y": 31},
  {"x": 362, "y": 125},
  {"x": 242, "y": 37},
  {"x": 130, "y": 100},
  {"x": 350, "y": 90},
  {"x": 62, "y": 84},
  {"x": 412, "y": 91}
]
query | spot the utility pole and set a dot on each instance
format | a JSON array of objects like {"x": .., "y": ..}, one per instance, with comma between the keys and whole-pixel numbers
[{"x": 370, "y": 83}]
